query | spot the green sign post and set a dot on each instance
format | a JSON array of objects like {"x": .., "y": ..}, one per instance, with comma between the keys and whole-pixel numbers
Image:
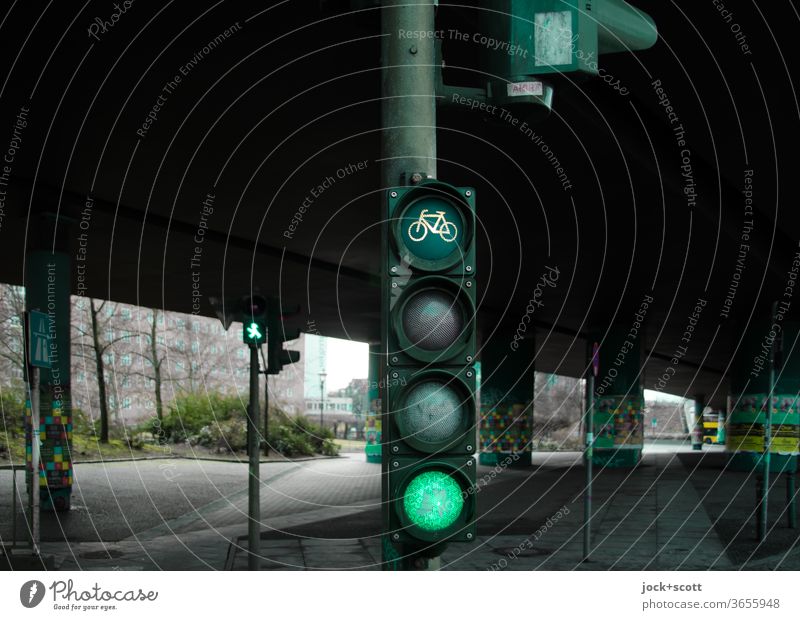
[{"x": 37, "y": 348}]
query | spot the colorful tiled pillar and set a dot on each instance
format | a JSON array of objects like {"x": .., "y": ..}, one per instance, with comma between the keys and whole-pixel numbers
[
  {"x": 749, "y": 380},
  {"x": 619, "y": 399},
  {"x": 47, "y": 289},
  {"x": 372, "y": 432},
  {"x": 506, "y": 402}
]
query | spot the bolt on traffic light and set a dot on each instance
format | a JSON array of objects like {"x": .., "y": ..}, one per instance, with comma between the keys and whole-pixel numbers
[{"x": 429, "y": 327}]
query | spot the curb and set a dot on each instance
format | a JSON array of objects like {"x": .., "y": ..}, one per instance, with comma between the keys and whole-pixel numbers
[{"x": 186, "y": 458}]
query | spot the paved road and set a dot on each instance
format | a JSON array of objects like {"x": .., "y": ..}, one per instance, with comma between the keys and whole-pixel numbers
[
  {"x": 112, "y": 501},
  {"x": 676, "y": 510}
]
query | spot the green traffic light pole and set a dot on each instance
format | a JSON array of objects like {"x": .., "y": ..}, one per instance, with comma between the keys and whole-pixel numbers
[
  {"x": 254, "y": 458},
  {"x": 408, "y": 149},
  {"x": 588, "y": 454}
]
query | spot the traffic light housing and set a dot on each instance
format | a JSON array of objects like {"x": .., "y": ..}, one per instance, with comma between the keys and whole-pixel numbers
[
  {"x": 562, "y": 36},
  {"x": 277, "y": 356},
  {"x": 431, "y": 261},
  {"x": 253, "y": 311},
  {"x": 429, "y": 329}
]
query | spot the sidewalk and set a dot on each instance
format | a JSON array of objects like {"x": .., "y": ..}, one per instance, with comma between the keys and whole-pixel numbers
[{"x": 673, "y": 512}]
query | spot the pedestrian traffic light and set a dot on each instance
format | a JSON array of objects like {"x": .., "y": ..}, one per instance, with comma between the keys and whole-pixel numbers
[
  {"x": 429, "y": 327},
  {"x": 254, "y": 320}
]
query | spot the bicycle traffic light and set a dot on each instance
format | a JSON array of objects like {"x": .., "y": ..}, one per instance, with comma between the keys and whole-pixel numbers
[
  {"x": 254, "y": 320},
  {"x": 429, "y": 328}
]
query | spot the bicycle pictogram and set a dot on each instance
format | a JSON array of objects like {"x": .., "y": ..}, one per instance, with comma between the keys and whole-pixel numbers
[{"x": 435, "y": 223}]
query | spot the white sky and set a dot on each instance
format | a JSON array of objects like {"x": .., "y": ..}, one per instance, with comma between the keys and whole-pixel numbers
[
  {"x": 346, "y": 360},
  {"x": 662, "y": 396}
]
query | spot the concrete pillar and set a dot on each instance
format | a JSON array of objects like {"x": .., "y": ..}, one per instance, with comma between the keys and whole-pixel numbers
[
  {"x": 749, "y": 385},
  {"x": 698, "y": 430},
  {"x": 374, "y": 417},
  {"x": 47, "y": 288},
  {"x": 506, "y": 401},
  {"x": 619, "y": 399}
]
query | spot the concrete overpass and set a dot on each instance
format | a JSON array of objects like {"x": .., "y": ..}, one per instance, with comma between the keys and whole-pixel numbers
[{"x": 257, "y": 133}]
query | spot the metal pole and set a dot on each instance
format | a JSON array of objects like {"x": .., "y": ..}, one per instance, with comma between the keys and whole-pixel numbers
[
  {"x": 409, "y": 97},
  {"x": 13, "y": 506},
  {"x": 253, "y": 489},
  {"x": 321, "y": 403},
  {"x": 35, "y": 451},
  {"x": 408, "y": 141},
  {"x": 266, "y": 414},
  {"x": 766, "y": 458},
  {"x": 266, "y": 404},
  {"x": 588, "y": 453}
]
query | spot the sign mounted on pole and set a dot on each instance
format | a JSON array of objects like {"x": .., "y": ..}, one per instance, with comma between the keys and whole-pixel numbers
[{"x": 38, "y": 346}]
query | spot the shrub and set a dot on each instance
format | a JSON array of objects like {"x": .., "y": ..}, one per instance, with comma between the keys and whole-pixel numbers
[
  {"x": 12, "y": 406},
  {"x": 189, "y": 414},
  {"x": 226, "y": 436},
  {"x": 299, "y": 436}
]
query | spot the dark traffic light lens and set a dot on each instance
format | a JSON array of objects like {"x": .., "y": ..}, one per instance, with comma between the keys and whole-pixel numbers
[
  {"x": 433, "y": 412},
  {"x": 432, "y": 319},
  {"x": 433, "y": 500}
]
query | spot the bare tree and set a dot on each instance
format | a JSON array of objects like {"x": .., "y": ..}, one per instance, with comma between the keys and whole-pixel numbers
[
  {"x": 196, "y": 357},
  {"x": 99, "y": 344},
  {"x": 12, "y": 339},
  {"x": 153, "y": 357}
]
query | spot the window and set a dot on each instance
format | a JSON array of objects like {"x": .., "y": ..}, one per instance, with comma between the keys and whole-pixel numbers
[
  {"x": 181, "y": 345},
  {"x": 109, "y": 335},
  {"x": 195, "y": 347},
  {"x": 126, "y": 360},
  {"x": 126, "y": 403},
  {"x": 126, "y": 314}
]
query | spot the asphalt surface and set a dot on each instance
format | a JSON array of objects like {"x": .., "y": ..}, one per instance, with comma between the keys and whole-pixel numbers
[{"x": 677, "y": 509}]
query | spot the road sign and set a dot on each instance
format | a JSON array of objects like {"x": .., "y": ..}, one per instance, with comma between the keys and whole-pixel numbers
[{"x": 38, "y": 333}]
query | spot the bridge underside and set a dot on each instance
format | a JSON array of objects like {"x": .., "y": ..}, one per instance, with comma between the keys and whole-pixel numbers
[{"x": 261, "y": 168}]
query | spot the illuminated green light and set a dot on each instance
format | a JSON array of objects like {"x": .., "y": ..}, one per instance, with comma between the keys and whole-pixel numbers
[
  {"x": 253, "y": 332},
  {"x": 432, "y": 228},
  {"x": 433, "y": 501}
]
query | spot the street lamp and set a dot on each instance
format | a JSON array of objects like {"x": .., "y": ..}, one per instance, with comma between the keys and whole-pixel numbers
[{"x": 322, "y": 376}]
